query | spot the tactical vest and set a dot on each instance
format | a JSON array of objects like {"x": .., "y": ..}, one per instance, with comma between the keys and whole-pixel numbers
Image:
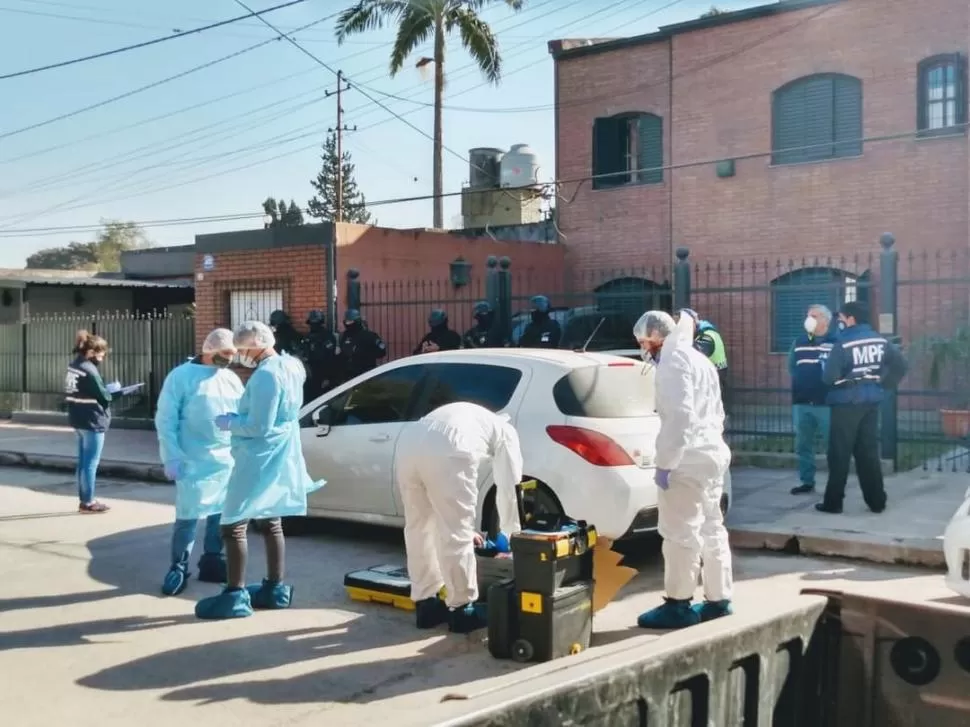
[
  {"x": 809, "y": 355},
  {"x": 863, "y": 361}
]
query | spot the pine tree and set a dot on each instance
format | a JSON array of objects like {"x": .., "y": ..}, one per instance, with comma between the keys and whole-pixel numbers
[
  {"x": 281, "y": 214},
  {"x": 323, "y": 206}
]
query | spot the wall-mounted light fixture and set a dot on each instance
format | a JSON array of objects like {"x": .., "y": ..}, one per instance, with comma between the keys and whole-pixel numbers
[{"x": 460, "y": 272}]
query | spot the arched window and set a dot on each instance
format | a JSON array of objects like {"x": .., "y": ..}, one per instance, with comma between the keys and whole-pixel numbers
[
  {"x": 793, "y": 293},
  {"x": 628, "y": 148},
  {"x": 816, "y": 117},
  {"x": 618, "y": 303},
  {"x": 942, "y": 95}
]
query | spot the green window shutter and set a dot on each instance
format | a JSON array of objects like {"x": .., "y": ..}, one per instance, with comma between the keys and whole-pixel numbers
[
  {"x": 848, "y": 116},
  {"x": 651, "y": 149},
  {"x": 608, "y": 155}
]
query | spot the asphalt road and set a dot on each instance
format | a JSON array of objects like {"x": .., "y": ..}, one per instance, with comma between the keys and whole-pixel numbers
[{"x": 85, "y": 638}]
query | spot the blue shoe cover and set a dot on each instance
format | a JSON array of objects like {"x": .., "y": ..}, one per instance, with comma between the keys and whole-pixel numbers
[
  {"x": 212, "y": 568},
  {"x": 466, "y": 619},
  {"x": 430, "y": 613},
  {"x": 673, "y": 614},
  {"x": 228, "y": 604},
  {"x": 710, "y": 610},
  {"x": 175, "y": 581},
  {"x": 270, "y": 596}
]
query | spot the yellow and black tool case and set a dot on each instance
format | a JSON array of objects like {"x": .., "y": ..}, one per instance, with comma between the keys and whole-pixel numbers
[
  {"x": 544, "y": 561},
  {"x": 387, "y": 584},
  {"x": 529, "y": 626}
]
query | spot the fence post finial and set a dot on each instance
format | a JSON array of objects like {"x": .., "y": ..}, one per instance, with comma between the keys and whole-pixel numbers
[{"x": 682, "y": 279}]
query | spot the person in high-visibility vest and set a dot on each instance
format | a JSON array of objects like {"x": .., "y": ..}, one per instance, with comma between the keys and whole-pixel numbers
[{"x": 707, "y": 340}]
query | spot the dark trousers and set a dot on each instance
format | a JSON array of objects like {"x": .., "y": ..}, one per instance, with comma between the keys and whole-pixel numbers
[{"x": 854, "y": 432}]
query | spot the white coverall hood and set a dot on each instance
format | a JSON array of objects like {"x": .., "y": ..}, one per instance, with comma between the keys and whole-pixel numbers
[
  {"x": 437, "y": 463},
  {"x": 691, "y": 446}
]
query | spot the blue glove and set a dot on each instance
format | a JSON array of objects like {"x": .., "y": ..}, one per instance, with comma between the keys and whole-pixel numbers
[
  {"x": 224, "y": 421},
  {"x": 662, "y": 478},
  {"x": 173, "y": 469}
]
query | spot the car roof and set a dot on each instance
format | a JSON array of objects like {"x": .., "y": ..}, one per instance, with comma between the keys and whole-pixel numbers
[{"x": 551, "y": 356}]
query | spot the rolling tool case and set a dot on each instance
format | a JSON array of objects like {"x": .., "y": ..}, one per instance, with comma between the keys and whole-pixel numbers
[
  {"x": 544, "y": 561},
  {"x": 539, "y": 627}
]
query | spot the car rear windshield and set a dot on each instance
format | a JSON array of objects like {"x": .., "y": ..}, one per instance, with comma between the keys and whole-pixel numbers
[{"x": 605, "y": 392}]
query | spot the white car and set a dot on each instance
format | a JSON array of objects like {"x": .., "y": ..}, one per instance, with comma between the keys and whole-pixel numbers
[{"x": 586, "y": 422}]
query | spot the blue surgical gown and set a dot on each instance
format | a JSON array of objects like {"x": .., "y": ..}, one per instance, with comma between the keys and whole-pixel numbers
[
  {"x": 270, "y": 478},
  {"x": 192, "y": 396}
]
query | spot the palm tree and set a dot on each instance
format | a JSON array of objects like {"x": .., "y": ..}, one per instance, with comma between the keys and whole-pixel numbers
[{"x": 417, "y": 21}]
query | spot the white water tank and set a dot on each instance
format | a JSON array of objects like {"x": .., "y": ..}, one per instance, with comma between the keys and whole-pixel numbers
[{"x": 519, "y": 167}]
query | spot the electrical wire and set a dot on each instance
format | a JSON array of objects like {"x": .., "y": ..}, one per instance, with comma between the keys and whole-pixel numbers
[
  {"x": 882, "y": 138},
  {"x": 147, "y": 43},
  {"x": 154, "y": 84}
]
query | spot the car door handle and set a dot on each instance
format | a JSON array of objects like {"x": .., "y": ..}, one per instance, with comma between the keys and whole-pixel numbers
[{"x": 381, "y": 438}]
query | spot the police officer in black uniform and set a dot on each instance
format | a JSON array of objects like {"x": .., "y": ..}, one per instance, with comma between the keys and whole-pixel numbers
[
  {"x": 482, "y": 334},
  {"x": 360, "y": 347},
  {"x": 542, "y": 331},
  {"x": 320, "y": 349},
  {"x": 287, "y": 338},
  {"x": 440, "y": 337},
  {"x": 860, "y": 367}
]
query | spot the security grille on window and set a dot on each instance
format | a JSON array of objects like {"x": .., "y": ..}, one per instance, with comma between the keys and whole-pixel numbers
[
  {"x": 942, "y": 94},
  {"x": 253, "y": 305},
  {"x": 627, "y": 149},
  {"x": 816, "y": 118}
]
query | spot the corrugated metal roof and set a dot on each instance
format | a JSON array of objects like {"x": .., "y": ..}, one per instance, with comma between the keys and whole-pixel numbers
[{"x": 18, "y": 278}]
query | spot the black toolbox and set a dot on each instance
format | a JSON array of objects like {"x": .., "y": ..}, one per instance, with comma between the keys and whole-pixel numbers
[
  {"x": 528, "y": 626},
  {"x": 544, "y": 561}
]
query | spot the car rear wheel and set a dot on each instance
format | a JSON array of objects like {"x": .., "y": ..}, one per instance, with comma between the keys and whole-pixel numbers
[{"x": 539, "y": 500}]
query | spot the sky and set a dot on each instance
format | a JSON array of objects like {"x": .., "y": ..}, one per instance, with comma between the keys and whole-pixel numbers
[{"x": 217, "y": 141}]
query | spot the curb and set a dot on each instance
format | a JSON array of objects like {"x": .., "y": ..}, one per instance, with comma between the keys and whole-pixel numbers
[
  {"x": 912, "y": 551},
  {"x": 106, "y": 468}
]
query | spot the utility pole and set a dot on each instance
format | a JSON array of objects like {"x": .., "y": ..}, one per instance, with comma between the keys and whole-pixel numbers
[{"x": 340, "y": 129}]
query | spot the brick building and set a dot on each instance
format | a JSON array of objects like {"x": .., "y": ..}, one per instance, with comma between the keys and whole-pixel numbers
[{"x": 787, "y": 132}]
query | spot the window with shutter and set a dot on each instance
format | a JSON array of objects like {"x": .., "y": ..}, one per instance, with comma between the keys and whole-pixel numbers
[
  {"x": 815, "y": 118},
  {"x": 627, "y": 149},
  {"x": 793, "y": 293},
  {"x": 942, "y": 95}
]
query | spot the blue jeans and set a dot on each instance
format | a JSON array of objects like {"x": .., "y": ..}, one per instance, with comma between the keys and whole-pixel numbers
[
  {"x": 809, "y": 421},
  {"x": 183, "y": 538},
  {"x": 89, "y": 447}
]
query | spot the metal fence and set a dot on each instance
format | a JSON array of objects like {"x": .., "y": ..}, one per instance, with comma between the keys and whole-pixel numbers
[
  {"x": 142, "y": 350},
  {"x": 919, "y": 300}
]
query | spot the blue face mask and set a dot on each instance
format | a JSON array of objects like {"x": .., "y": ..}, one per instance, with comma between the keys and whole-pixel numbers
[{"x": 841, "y": 325}]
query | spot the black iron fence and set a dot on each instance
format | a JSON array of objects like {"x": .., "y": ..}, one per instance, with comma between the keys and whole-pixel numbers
[
  {"x": 34, "y": 356},
  {"x": 920, "y": 300}
]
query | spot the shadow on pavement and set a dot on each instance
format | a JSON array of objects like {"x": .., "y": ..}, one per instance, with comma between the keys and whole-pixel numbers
[
  {"x": 372, "y": 678},
  {"x": 74, "y": 634}
]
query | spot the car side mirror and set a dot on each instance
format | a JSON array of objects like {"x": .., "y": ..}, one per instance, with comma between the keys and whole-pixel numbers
[{"x": 323, "y": 418}]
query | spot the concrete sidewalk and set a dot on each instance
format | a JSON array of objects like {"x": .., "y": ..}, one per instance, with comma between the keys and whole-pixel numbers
[{"x": 763, "y": 516}]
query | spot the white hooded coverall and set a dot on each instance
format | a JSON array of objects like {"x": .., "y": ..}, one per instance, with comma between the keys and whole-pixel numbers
[
  {"x": 437, "y": 463},
  {"x": 691, "y": 446}
]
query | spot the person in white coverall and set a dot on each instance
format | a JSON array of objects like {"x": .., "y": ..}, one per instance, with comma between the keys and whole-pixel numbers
[
  {"x": 437, "y": 461},
  {"x": 692, "y": 459}
]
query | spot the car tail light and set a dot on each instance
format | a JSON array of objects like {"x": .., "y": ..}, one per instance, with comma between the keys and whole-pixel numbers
[
  {"x": 595, "y": 448},
  {"x": 621, "y": 363}
]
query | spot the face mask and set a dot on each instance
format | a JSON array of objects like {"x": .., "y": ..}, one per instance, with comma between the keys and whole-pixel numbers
[
  {"x": 811, "y": 324},
  {"x": 248, "y": 361},
  {"x": 539, "y": 316},
  {"x": 221, "y": 361},
  {"x": 841, "y": 325}
]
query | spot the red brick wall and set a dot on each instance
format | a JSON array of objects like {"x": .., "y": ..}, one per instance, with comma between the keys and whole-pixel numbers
[{"x": 300, "y": 271}]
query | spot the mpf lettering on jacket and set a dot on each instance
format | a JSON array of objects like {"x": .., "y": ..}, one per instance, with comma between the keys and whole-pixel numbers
[{"x": 869, "y": 355}]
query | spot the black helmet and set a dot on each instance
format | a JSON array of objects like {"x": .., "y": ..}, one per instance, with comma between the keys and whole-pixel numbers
[
  {"x": 352, "y": 316},
  {"x": 316, "y": 318},
  {"x": 437, "y": 317},
  {"x": 278, "y": 318},
  {"x": 482, "y": 308}
]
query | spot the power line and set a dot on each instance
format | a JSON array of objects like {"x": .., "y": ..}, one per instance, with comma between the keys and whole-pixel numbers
[
  {"x": 154, "y": 84},
  {"x": 911, "y": 134},
  {"x": 147, "y": 43}
]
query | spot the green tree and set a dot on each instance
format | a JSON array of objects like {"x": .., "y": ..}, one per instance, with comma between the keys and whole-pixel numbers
[
  {"x": 712, "y": 12},
  {"x": 323, "y": 206},
  {"x": 104, "y": 254},
  {"x": 282, "y": 214},
  {"x": 417, "y": 22}
]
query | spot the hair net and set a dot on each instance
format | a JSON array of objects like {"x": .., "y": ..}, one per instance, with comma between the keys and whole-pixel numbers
[
  {"x": 253, "y": 334},
  {"x": 653, "y": 321},
  {"x": 219, "y": 340}
]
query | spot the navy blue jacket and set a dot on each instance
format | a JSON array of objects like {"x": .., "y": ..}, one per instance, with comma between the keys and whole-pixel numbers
[
  {"x": 88, "y": 402},
  {"x": 805, "y": 361},
  {"x": 861, "y": 365}
]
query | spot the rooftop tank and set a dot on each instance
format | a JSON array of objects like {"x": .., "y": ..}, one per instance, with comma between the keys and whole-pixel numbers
[
  {"x": 519, "y": 167},
  {"x": 484, "y": 163}
]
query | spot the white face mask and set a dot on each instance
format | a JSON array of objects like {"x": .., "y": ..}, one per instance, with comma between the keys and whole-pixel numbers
[
  {"x": 246, "y": 360},
  {"x": 811, "y": 324}
]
